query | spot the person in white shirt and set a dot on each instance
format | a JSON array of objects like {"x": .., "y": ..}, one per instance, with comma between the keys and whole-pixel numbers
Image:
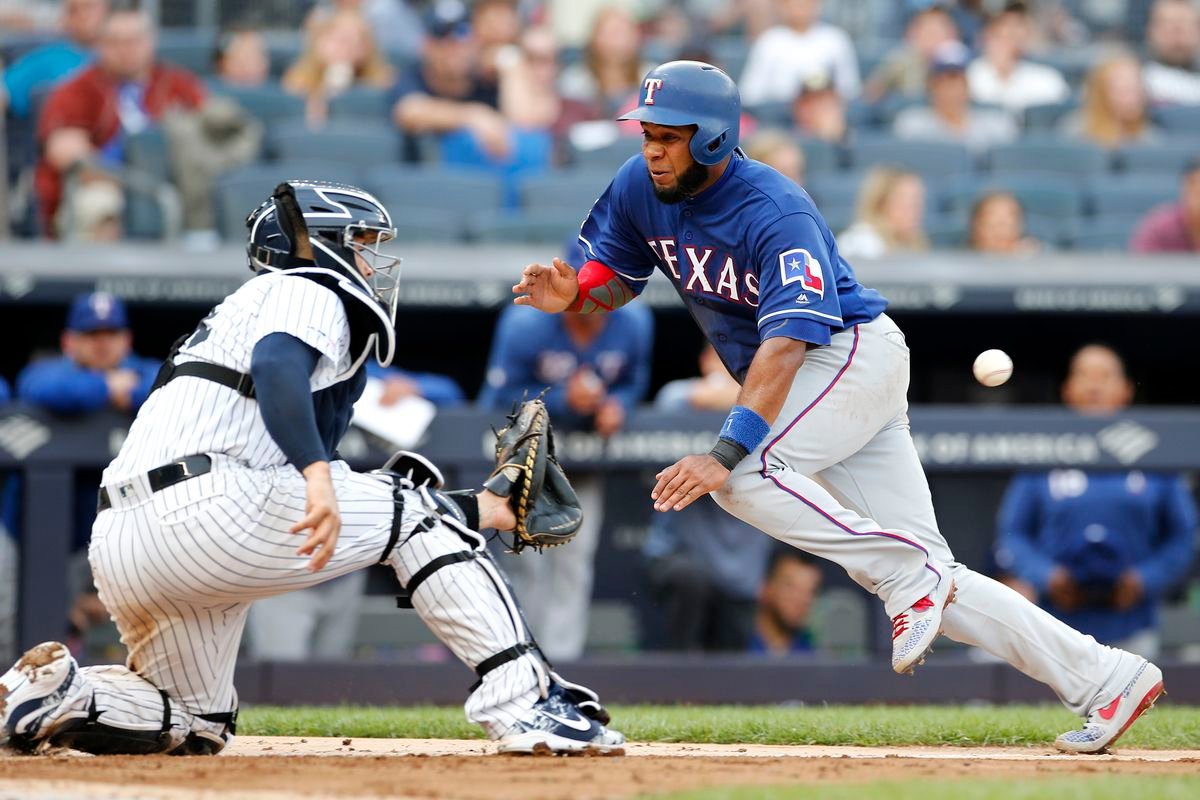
[
  {"x": 787, "y": 54},
  {"x": 949, "y": 116},
  {"x": 891, "y": 209},
  {"x": 1172, "y": 71},
  {"x": 1001, "y": 76}
]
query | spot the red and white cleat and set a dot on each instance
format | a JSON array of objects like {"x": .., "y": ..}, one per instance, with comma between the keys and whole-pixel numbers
[
  {"x": 1106, "y": 723},
  {"x": 914, "y": 630}
]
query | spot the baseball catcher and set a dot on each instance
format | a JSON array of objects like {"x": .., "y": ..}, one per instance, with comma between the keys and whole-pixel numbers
[{"x": 228, "y": 489}]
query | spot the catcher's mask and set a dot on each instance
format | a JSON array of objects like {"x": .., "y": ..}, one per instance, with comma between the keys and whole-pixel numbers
[{"x": 331, "y": 226}]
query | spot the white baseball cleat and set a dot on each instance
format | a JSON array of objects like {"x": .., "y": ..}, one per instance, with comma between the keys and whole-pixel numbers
[
  {"x": 914, "y": 630},
  {"x": 31, "y": 690},
  {"x": 555, "y": 726},
  {"x": 1106, "y": 723}
]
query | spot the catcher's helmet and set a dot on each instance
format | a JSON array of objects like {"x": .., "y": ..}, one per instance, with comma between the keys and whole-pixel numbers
[
  {"x": 682, "y": 93},
  {"x": 329, "y": 227}
]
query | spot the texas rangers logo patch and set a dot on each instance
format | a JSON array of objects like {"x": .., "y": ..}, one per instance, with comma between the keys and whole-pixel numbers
[{"x": 799, "y": 265}]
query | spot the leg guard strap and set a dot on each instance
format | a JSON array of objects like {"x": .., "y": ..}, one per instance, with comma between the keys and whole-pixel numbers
[
  {"x": 405, "y": 600},
  {"x": 89, "y": 735},
  {"x": 504, "y": 656}
]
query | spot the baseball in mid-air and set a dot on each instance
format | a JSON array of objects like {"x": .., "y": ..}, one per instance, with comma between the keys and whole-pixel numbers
[{"x": 993, "y": 367}]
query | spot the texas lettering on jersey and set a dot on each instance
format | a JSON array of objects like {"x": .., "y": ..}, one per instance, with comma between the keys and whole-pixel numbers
[{"x": 708, "y": 272}]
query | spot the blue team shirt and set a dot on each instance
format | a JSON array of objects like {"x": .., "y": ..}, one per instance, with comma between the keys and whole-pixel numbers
[
  {"x": 751, "y": 257},
  {"x": 62, "y": 386},
  {"x": 532, "y": 351},
  {"x": 1096, "y": 525}
]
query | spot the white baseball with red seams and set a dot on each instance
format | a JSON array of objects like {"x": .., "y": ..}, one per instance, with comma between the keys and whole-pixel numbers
[{"x": 993, "y": 367}]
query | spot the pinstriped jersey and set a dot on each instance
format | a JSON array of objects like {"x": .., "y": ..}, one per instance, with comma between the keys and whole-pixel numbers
[
  {"x": 751, "y": 257},
  {"x": 192, "y": 415}
]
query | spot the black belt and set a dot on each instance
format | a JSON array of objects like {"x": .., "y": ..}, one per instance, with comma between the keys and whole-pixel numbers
[{"x": 167, "y": 475}]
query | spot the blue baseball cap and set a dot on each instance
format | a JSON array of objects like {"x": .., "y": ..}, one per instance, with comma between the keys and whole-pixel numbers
[
  {"x": 98, "y": 311},
  {"x": 950, "y": 57}
]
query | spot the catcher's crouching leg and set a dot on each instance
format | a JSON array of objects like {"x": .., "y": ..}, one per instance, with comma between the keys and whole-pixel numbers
[
  {"x": 464, "y": 599},
  {"x": 460, "y": 594}
]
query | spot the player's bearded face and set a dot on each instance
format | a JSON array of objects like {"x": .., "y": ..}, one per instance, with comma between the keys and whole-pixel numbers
[{"x": 673, "y": 173}]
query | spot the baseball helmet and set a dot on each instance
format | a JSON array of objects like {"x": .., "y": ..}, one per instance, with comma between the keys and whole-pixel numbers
[
  {"x": 320, "y": 226},
  {"x": 682, "y": 93}
]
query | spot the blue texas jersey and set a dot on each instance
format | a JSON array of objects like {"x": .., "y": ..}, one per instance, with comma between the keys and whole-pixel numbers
[{"x": 751, "y": 257}]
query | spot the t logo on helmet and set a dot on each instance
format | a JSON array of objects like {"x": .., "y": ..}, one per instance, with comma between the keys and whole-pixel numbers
[{"x": 652, "y": 86}]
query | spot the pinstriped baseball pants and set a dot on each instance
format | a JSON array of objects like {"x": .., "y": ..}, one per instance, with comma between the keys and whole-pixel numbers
[
  {"x": 178, "y": 570},
  {"x": 838, "y": 476}
]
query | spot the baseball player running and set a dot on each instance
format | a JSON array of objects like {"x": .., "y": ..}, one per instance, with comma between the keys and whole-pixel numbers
[
  {"x": 817, "y": 452},
  {"x": 228, "y": 489}
]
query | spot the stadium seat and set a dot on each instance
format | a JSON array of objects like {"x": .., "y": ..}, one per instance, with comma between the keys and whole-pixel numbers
[
  {"x": 542, "y": 226},
  {"x": 1048, "y": 195},
  {"x": 1131, "y": 194},
  {"x": 929, "y": 159},
  {"x": 1179, "y": 120},
  {"x": 147, "y": 152},
  {"x": 269, "y": 103},
  {"x": 283, "y": 49},
  {"x": 772, "y": 115},
  {"x": 359, "y": 144},
  {"x": 567, "y": 190},
  {"x": 609, "y": 157},
  {"x": 1048, "y": 156},
  {"x": 1044, "y": 119},
  {"x": 820, "y": 157},
  {"x": 1105, "y": 232},
  {"x": 361, "y": 104},
  {"x": 190, "y": 48},
  {"x": 835, "y": 195},
  {"x": 729, "y": 53},
  {"x": 1161, "y": 157},
  {"x": 239, "y": 192},
  {"x": 454, "y": 195}
]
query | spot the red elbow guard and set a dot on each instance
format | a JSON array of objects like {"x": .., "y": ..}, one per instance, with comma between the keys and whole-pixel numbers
[{"x": 600, "y": 289}]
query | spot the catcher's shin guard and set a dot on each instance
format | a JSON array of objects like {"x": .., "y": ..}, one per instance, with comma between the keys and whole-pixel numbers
[{"x": 459, "y": 593}]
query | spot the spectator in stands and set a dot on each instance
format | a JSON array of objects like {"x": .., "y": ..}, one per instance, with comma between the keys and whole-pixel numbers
[
  {"x": 396, "y": 24},
  {"x": 446, "y": 97},
  {"x": 441, "y": 390},
  {"x": 242, "y": 60},
  {"x": 949, "y": 117},
  {"x": 891, "y": 211},
  {"x": 819, "y": 112},
  {"x": 790, "y": 53},
  {"x": 496, "y": 25},
  {"x": 1099, "y": 549},
  {"x": 45, "y": 66},
  {"x": 86, "y": 120},
  {"x": 597, "y": 367},
  {"x": 611, "y": 70},
  {"x": 704, "y": 566},
  {"x": 780, "y": 151},
  {"x": 339, "y": 54},
  {"x": 1115, "y": 111},
  {"x": 997, "y": 225},
  {"x": 98, "y": 368},
  {"x": 905, "y": 71},
  {"x": 785, "y": 602},
  {"x": 529, "y": 94},
  {"x": 1002, "y": 76},
  {"x": 1173, "y": 228},
  {"x": 745, "y": 18},
  {"x": 1172, "y": 69}
]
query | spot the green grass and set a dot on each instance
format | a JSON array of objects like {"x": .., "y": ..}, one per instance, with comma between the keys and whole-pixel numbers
[
  {"x": 1166, "y": 727},
  {"x": 1109, "y": 787}
]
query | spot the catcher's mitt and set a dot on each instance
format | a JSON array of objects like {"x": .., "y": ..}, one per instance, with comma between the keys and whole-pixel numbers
[{"x": 529, "y": 475}]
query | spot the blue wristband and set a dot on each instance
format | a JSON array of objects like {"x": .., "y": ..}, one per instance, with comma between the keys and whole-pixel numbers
[{"x": 745, "y": 427}]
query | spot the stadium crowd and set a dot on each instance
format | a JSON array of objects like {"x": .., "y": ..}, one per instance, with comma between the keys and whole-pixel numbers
[
  {"x": 1000, "y": 127},
  {"x": 908, "y": 129}
]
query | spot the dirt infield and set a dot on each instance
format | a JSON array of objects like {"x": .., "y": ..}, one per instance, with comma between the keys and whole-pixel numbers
[{"x": 259, "y": 768}]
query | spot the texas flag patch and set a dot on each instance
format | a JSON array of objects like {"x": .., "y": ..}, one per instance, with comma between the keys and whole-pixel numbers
[{"x": 799, "y": 266}]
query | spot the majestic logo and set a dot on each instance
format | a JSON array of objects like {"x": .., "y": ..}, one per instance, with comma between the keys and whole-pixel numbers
[
  {"x": 799, "y": 265},
  {"x": 652, "y": 86}
]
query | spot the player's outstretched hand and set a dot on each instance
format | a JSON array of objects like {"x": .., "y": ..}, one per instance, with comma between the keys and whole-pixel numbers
[
  {"x": 322, "y": 519},
  {"x": 688, "y": 479},
  {"x": 551, "y": 289}
]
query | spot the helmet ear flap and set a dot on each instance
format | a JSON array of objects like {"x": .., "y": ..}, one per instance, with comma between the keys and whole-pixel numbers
[{"x": 291, "y": 221}]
